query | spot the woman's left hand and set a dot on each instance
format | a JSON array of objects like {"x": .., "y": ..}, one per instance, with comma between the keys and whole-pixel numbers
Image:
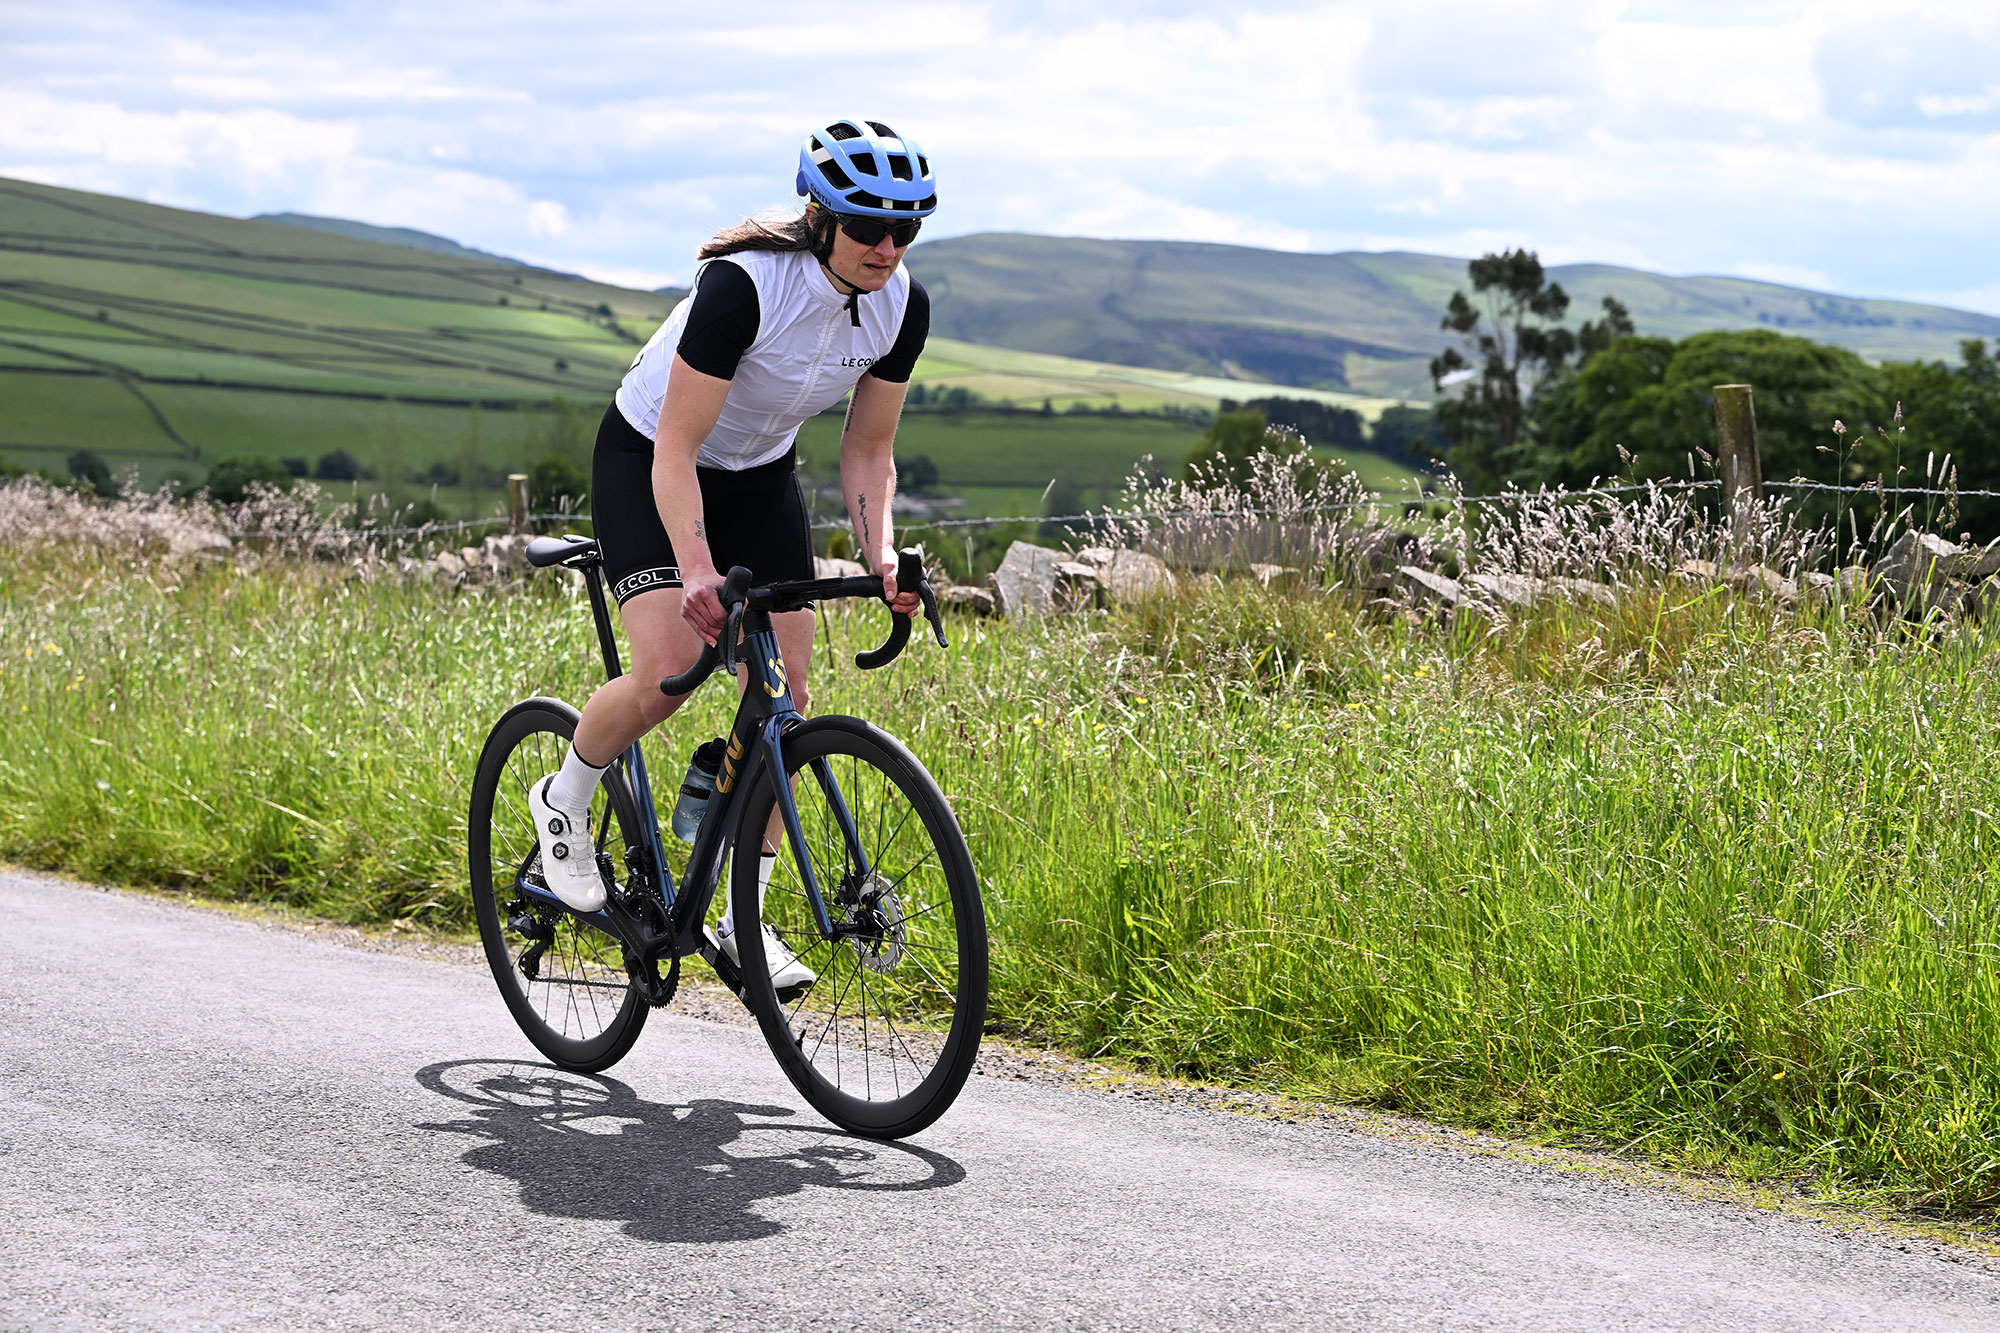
[{"x": 904, "y": 602}]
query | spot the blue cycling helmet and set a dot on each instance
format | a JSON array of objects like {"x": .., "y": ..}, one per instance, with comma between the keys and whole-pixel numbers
[{"x": 863, "y": 168}]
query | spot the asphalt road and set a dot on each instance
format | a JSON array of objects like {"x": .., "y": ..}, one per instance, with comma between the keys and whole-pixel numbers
[{"x": 208, "y": 1123}]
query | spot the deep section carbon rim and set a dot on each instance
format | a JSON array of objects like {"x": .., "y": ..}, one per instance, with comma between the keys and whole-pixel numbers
[
  {"x": 882, "y": 1038},
  {"x": 564, "y": 981}
]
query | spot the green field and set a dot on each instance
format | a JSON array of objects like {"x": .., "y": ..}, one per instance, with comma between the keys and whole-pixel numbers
[
  {"x": 1002, "y": 464},
  {"x": 164, "y": 340},
  {"x": 1027, "y": 379}
]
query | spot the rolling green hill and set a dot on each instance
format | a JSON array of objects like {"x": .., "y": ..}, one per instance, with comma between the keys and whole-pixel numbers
[
  {"x": 164, "y": 339},
  {"x": 1364, "y": 323}
]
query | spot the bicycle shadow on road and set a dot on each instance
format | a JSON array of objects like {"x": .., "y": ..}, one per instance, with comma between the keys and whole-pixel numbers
[{"x": 587, "y": 1146}]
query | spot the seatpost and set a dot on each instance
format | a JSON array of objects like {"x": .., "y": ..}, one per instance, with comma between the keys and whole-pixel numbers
[{"x": 593, "y": 576}]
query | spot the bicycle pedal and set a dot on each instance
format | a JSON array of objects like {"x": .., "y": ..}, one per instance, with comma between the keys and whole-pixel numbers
[{"x": 712, "y": 954}]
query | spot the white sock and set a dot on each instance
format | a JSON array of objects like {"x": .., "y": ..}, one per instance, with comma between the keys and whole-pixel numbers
[
  {"x": 574, "y": 783},
  {"x": 766, "y": 863}
]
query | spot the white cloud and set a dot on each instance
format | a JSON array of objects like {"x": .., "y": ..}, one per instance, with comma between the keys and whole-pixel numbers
[{"x": 1855, "y": 142}]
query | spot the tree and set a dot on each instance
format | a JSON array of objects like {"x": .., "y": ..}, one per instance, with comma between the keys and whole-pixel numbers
[
  {"x": 230, "y": 478},
  {"x": 1655, "y": 399},
  {"x": 1520, "y": 347},
  {"x": 557, "y": 486},
  {"x": 91, "y": 470},
  {"x": 1323, "y": 425},
  {"x": 1407, "y": 434},
  {"x": 917, "y": 474},
  {"x": 1955, "y": 411},
  {"x": 338, "y": 466}
]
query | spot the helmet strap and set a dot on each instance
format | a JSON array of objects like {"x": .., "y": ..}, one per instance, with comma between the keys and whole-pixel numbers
[{"x": 823, "y": 228}]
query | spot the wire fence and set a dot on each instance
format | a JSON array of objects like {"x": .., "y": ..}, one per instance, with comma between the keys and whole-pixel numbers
[{"x": 1112, "y": 517}]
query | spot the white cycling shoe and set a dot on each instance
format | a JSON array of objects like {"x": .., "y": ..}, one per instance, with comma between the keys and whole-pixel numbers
[
  {"x": 787, "y": 972},
  {"x": 569, "y": 858}
]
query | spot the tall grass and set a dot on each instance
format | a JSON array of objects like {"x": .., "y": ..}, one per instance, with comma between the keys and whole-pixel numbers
[{"x": 1685, "y": 875}]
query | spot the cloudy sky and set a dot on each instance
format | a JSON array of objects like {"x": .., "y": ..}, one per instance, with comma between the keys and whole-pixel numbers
[{"x": 1848, "y": 144}]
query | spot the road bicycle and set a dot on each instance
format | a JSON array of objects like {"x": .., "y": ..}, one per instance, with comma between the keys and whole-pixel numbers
[{"x": 874, "y": 889}]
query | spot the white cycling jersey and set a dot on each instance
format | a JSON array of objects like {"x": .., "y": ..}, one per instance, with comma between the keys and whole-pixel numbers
[{"x": 808, "y": 354}]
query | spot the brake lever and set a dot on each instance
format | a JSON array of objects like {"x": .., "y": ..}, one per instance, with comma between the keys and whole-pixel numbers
[
  {"x": 725, "y": 642},
  {"x": 931, "y": 612}
]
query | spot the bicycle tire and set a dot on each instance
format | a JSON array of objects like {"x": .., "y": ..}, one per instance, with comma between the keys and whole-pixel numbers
[
  {"x": 920, "y": 955},
  {"x": 582, "y": 1013}
]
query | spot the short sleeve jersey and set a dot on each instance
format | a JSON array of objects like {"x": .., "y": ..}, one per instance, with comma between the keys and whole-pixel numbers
[{"x": 772, "y": 324}]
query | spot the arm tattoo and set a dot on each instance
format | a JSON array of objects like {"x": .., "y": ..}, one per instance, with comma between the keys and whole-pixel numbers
[
  {"x": 848, "y": 424},
  {"x": 861, "y": 501},
  {"x": 701, "y": 531}
]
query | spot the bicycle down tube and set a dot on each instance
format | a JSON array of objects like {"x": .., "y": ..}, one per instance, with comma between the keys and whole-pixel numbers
[{"x": 765, "y": 713}]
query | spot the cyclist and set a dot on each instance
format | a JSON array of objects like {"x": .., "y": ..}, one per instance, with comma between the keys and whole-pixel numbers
[{"x": 695, "y": 465}]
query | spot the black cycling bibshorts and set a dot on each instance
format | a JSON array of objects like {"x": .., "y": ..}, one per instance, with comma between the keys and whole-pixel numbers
[{"x": 755, "y": 518}]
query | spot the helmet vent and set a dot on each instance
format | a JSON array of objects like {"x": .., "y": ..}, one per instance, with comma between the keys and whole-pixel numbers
[
  {"x": 924, "y": 167},
  {"x": 840, "y": 179},
  {"x": 881, "y": 129},
  {"x": 899, "y": 167},
  {"x": 842, "y": 130},
  {"x": 865, "y": 162}
]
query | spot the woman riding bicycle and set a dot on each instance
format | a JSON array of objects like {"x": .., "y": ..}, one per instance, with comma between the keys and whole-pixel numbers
[{"x": 695, "y": 464}]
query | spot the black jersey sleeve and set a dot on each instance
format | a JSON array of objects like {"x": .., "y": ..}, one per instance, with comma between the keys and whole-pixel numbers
[
  {"x": 723, "y": 321},
  {"x": 901, "y": 361}
]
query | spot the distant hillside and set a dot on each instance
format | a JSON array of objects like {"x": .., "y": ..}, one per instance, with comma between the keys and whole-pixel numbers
[
  {"x": 1364, "y": 323},
  {"x": 408, "y": 237},
  {"x": 163, "y": 339}
]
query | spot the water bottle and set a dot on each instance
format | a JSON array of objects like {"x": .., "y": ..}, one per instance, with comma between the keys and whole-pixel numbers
[{"x": 696, "y": 787}]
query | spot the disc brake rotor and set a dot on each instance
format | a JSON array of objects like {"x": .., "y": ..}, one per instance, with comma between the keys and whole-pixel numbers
[{"x": 876, "y": 930}]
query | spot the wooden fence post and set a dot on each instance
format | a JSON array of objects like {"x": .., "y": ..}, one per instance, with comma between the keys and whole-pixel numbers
[
  {"x": 1736, "y": 454},
  {"x": 517, "y": 501}
]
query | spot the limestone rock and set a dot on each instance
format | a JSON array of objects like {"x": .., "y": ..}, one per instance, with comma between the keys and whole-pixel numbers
[
  {"x": 968, "y": 600},
  {"x": 825, "y": 568},
  {"x": 1076, "y": 585},
  {"x": 1278, "y": 576},
  {"x": 1130, "y": 575},
  {"x": 1025, "y": 583},
  {"x": 1919, "y": 564},
  {"x": 1420, "y": 587},
  {"x": 1583, "y": 590},
  {"x": 1763, "y": 579},
  {"x": 1515, "y": 590},
  {"x": 1983, "y": 600},
  {"x": 1984, "y": 563}
]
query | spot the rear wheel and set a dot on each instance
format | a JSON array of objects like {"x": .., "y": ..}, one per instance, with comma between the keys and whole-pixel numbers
[
  {"x": 564, "y": 981},
  {"x": 883, "y": 1038}
]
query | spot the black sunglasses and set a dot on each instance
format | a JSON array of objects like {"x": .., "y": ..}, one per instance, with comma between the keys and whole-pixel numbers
[{"x": 870, "y": 231}]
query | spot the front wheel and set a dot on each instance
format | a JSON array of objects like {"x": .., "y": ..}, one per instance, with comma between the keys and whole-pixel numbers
[
  {"x": 882, "y": 1039},
  {"x": 564, "y": 982}
]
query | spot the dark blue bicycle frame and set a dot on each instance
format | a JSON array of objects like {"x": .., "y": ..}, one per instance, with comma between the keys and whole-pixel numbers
[{"x": 755, "y": 745}]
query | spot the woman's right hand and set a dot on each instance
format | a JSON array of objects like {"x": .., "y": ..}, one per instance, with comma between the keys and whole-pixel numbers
[{"x": 701, "y": 603}]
